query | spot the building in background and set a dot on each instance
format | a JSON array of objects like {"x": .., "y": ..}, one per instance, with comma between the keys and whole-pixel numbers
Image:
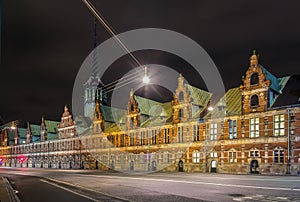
[{"x": 254, "y": 128}]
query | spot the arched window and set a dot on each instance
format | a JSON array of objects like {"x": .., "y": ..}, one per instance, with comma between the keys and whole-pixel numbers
[
  {"x": 180, "y": 113},
  {"x": 181, "y": 97},
  {"x": 132, "y": 107},
  {"x": 254, "y": 79},
  {"x": 254, "y": 101}
]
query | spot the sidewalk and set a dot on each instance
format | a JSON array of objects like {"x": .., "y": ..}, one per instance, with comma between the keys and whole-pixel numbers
[{"x": 6, "y": 192}]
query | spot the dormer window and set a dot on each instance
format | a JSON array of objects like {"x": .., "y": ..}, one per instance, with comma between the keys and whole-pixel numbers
[
  {"x": 254, "y": 80},
  {"x": 181, "y": 97},
  {"x": 254, "y": 101},
  {"x": 132, "y": 107}
]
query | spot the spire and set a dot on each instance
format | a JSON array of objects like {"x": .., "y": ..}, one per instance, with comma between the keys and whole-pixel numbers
[
  {"x": 43, "y": 131},
  {"x": 28, "y": 134},
  {"x": 254, "y": 59}
]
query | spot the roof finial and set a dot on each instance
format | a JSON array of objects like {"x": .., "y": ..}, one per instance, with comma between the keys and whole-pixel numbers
[
  {"x": 254, "y": 59},
  {"x": 66, "y": 108}
]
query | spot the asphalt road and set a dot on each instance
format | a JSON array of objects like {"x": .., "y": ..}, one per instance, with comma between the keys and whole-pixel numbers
[{"x": 84, "y": 185}]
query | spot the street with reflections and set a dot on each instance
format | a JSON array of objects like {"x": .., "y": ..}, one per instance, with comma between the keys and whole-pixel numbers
[{"x": 91, "y": 185}]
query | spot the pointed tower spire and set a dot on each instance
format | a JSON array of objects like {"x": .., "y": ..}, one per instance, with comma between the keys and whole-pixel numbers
[
  {"x": 43, "y": 131},
  {"x": 28, "y": 134},
  {"x": 254, "y": 59}
]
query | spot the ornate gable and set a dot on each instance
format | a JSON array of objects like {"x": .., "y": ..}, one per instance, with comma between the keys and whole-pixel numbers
[
  {"x": 255, "y": 88},
  {"x": 181, "y": 103},
  {"x": 133, "y": 112}
]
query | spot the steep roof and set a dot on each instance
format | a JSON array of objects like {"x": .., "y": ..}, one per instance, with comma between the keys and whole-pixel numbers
[
  {"x": 290, "y": 93},
  {"x": 230, "y": 104},
  {"x": 199, "y": 97},
  {"x": 274, "y": 81}
]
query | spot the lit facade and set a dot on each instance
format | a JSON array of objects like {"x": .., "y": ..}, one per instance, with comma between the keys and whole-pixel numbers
[{"x": 254, "y": 128}]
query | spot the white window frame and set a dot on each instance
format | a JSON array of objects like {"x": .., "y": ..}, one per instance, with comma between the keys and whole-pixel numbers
[
  {"x": 254, "y": 127},
  {"x": 232, "y": 156},
  {"x": 213, "y": 130},
  {"x": 232, "y": 129},
  {"x": 279, "y": 121},
  {"x": 196, "y": 157}
]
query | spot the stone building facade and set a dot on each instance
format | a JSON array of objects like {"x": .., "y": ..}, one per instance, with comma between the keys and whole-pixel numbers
[{"x": 252, "y": 129}]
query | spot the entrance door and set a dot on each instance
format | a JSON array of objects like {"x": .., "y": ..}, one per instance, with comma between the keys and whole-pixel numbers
[
  {"x": 254, "y": 166},
  {"x": 153, "y": 166},
  {"x": 213, "y": 168},
  {"x": 180, "y": 166}
]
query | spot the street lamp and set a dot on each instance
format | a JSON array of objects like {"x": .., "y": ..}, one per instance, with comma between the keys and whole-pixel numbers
[{"x": 146, "y": 79}]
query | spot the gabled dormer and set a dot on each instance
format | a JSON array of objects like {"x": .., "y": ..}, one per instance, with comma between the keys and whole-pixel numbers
[
  {"x": 133, "y": 112},
  {"x": 255, "y": 88},
  {"x": 98, "y": 124},
  {"x": 181, "y": 102}
]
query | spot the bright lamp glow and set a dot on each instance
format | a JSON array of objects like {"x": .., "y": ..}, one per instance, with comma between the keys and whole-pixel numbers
[
  {"x": 146, "y": 80},
  {"x": 210, "y": 108}
]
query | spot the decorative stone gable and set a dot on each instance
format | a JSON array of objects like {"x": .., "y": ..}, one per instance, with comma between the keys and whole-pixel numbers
[
  {"x": 181, "y": 102},
  {"x": 28, "y": 134},
  {"x": 255, "y": 88},
  {"x": 43, "y": 131},
  {"x": 133, "y": 112},
  {"x": 67, "y": 126},
  {"x": 98, "y": 119}
]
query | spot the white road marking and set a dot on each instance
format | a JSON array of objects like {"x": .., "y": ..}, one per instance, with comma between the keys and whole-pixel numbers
[
  {"x": 195, "y": 182},
  {"x": 69, "y": 190}
]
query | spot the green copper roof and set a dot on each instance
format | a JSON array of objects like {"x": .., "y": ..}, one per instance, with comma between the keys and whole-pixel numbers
[
  {"x": 153, "y": 108},
  {"x": 112, "y": 114},
  {"x": 51, "y": 126},
  {"x": 230, "y": 104},
  {"x": 35, "y": 129},
  {"x": 200, "y": 97},
  {"x": 274, "y": 80}
]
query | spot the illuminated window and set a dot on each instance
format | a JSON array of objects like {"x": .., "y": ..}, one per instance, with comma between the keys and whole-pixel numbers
[
  {"x": 213, "y": 131},
  {"x": 180, "y": 134},
  {"x": 254, "y": 127},
  {"x": 196, "y": 157},
  {"x": 196, "y": 133},
  {"x": 279, "y": 125},
  {"x": 213, "y": 154},
  {"x": 232, "y": 157},
  {"x": 232, "y": 129}
]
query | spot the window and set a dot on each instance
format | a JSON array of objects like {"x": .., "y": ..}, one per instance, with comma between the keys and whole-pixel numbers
[
  {"x": 180, "y": 113},
  {"x": 153, "y": 136},
  {"x": 167, "y": 135},
  {"x": 213, "y": 131},
  {"x": 196, "y": 133},
  {"x": 232, "y": 157},
  {"x": 232, "y": 129},
  {"x": 254, "y": 80},
  {"x": 181, "y": 97},
  {"x": 166, "y": 157},
  {"x": 213, "y": 154},
  {"x": 131, "y": 139},
  {"x": 142, "y": 137},
  {"x": 196, "y": 157},
  {"x": 278, "y": 156},
  {"x": 279, "y": 125},
  {"x": 180, "y": 134},
  {"x": 254, "y": 101},
  {"x": 254, "y": 153},
  {"x": 254, "y": 127},
  {"x": 122, "y": 140}
]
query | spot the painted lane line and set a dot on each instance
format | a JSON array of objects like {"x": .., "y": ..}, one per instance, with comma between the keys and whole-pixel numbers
[
  {"x": 85, "y": 188},
  {"x": 202, "y": 183},
  {"x": 69, "y": 190}
]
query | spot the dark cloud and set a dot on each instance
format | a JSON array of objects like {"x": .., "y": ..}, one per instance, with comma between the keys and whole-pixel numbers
[{"x": 45, "y": 42}]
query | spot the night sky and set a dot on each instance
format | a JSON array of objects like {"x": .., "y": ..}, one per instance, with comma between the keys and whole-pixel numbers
[{"x": 45, "y": 42}]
